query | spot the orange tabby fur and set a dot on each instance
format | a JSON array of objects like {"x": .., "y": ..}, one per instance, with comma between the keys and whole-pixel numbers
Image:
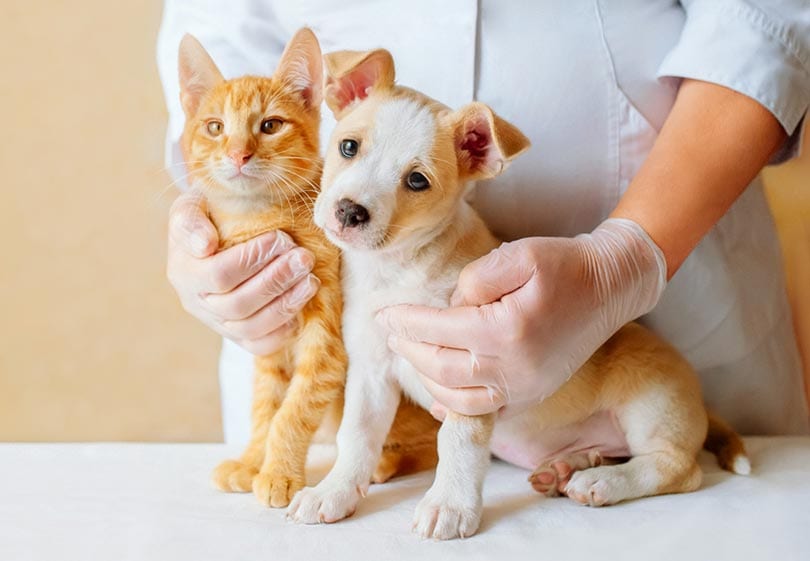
[{"x": 293, "y": 387}]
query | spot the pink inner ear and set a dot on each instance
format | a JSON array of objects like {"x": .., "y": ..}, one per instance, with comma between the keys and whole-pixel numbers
[
  {"x": 477, "y": 143},
  {"x": 306, "y": 95},
  {"x": 354, "y": 86}
]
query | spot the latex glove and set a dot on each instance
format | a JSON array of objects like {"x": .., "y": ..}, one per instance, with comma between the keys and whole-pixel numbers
[
  {"x": 526, "y": 316},
  {"x": 250, "y": 293}
]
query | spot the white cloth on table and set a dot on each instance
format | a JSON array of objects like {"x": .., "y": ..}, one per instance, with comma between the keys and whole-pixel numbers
[{"x": 155, "y": 502}]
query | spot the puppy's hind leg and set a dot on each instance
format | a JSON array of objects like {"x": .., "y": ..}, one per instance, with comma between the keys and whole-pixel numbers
[
  {"x": 664, "y": 445},
  {"x": 551, "y": 478}
]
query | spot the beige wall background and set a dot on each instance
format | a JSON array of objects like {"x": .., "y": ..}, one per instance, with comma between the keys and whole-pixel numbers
[{"x": 93, "y": 344}]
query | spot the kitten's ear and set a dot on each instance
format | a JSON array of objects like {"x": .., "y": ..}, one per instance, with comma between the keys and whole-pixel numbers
[
  {"x": 352, "y": 75},
  {"x": 301, "y": 68},
  {"x": 485, "y": 143},
  {"x": 198, "y": 73}
]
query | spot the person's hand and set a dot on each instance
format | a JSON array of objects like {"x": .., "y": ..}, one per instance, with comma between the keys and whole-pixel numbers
[
  {"x": 526, "y": 316},
  {"x": 250, "y": 293}
]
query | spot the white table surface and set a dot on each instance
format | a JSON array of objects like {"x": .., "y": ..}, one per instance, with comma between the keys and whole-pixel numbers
[{"x": 153, "y": 502}]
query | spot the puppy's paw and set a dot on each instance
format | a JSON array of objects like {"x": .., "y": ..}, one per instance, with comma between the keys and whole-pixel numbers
[
  {"x": 546, "y": 480},
  {"x": 446, "y": 519},
  {"x": 552, "y": 478},
  {"x": 598, "y": 486},
  {"x": 275, "y": 489},
  {"x": 324, "y": 503},
  {"x": 233, "y": 476}
]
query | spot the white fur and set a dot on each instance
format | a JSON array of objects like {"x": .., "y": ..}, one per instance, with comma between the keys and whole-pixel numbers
[
  {"x": 742, "y": 465},
  {"x": 452, "y": 506},
  {"x": 376, "y": 377},
  {"x": 402, "y": 135}
]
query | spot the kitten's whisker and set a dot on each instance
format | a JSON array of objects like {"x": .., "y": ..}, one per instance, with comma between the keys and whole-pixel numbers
[
  {"x": 309, "y": 182},
  {"x": 166, "y": 188},
  {"x": 280, "y": 181},
  {"x": 279, "y": 157},
  {"x": 300, "y": 197}
]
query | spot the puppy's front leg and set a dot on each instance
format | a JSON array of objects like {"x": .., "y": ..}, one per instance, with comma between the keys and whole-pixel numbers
[
  {"x": 452, "y": 506},
  {"x": 370, "y": 405}
]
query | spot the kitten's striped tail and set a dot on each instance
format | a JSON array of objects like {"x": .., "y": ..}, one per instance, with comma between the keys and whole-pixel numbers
[{"x": 727, "y": 445}]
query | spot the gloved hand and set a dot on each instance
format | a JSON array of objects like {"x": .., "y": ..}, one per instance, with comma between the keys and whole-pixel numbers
[
  {"x": 526, "y": 316},
  {"x": 249, "y": 293}
]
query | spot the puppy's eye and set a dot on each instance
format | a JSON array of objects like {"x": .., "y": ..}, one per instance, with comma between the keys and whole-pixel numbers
[
  {"x": 271, "y": 126},
  {"x": 348, "y": 148},
  {"x": 214, "y": 128},
  {"x": 417, "y": 181}
]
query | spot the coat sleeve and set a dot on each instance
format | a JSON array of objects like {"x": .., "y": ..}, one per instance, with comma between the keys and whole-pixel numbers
[
  {"x": 242, "y": 36},
  {"x": 760, "y": 48}
]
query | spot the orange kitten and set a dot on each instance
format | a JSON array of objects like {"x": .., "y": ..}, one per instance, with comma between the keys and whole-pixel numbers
[{"x": 251, "y": 144}]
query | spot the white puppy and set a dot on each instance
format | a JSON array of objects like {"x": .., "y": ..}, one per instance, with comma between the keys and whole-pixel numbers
[{"x": 394, "y": 182}]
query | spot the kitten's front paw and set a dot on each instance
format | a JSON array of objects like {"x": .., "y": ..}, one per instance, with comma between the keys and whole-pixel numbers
[
  {"x": 233, "y": 476},
  {"x": 275, "y": 489},
  {"x": 443, "y": 518},
  {"x": 324, "y": 503}
]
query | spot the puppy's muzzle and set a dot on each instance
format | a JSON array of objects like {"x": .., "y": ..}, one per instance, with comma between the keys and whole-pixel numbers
[{"x": 351, "y": 214}]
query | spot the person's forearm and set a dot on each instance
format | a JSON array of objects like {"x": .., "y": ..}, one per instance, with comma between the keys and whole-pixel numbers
[{"x": 713, "y": 144}]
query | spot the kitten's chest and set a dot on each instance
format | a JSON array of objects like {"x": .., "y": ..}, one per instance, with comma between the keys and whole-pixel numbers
[{"x": 235, "y": 228}]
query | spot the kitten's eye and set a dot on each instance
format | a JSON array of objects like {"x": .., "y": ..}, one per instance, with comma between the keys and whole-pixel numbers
[
  {"x": 348, "y": 148},
  {"x": 417, "y": 182},
  {"x": 214, "y": 128},
  {"x": 271, "y": 126}
]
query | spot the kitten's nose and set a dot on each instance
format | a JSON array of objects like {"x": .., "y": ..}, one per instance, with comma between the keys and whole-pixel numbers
[
  {"x": 351, "y": 214},
  {"x": 240, "y": 157}
]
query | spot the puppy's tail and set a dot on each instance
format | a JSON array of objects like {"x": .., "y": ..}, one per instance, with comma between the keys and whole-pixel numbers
[{"x": 727, "y": 445}]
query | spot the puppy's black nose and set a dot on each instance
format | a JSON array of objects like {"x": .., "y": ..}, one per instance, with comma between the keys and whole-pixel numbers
[{"x": 351, "y": 214}]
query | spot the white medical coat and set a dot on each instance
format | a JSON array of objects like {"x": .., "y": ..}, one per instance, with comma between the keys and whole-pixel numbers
[{"x": 590, "y": 82}]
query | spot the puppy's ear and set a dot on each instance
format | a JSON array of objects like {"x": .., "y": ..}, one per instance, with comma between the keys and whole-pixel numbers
[
  {"x": 301, "y": 68},
  {"x": 352, "y": 75},
  {"x": 198, "y": 74},
  {"x": 485, "y": 143}
]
